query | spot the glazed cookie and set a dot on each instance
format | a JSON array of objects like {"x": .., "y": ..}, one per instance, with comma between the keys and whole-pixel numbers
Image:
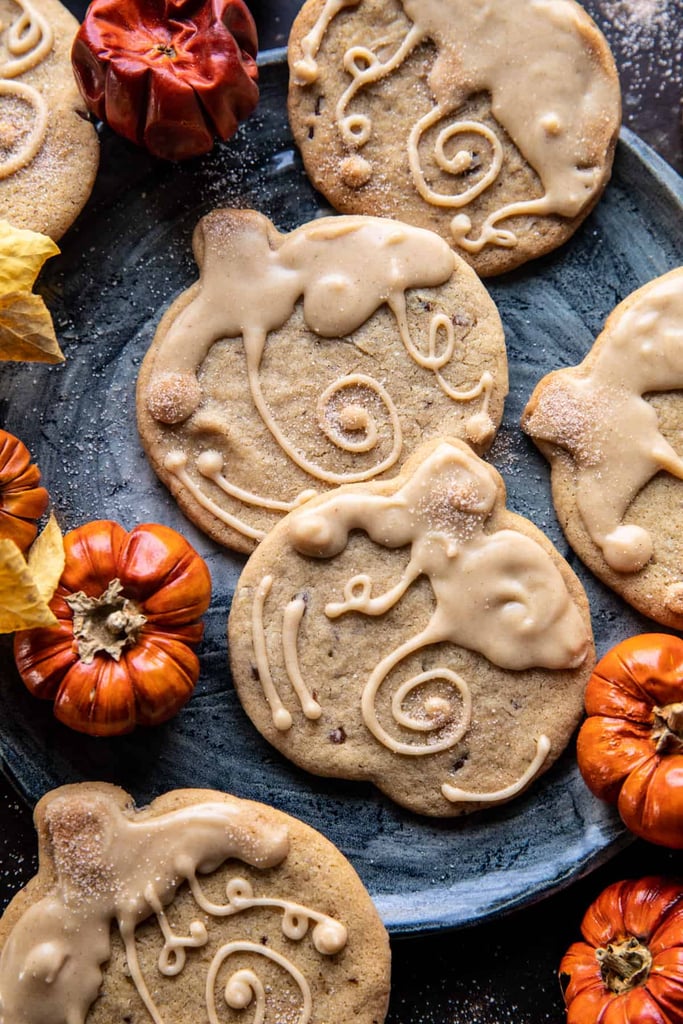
[
  {"x": 49, "y": 151},
  {"x": 415, "y": 633},
  {"x": 612, "y": 430},
  {"x": 302, "y": 361},
  {"x": 199, "y": 907},
  {"x": 493, "y": 124}
]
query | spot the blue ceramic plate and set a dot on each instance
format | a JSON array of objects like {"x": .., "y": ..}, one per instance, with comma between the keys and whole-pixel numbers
[{"x": 121, "y": 265}]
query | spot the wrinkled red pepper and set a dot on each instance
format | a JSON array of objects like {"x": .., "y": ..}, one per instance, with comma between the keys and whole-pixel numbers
[{"x": 169, "y": 75}]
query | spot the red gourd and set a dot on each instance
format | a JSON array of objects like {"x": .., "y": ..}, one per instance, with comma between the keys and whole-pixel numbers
[{"x": 169, "y": 75}]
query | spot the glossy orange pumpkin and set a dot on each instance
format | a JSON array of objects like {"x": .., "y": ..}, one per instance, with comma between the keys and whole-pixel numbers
[
  {"x": 22, "y": 499},
  {"x": 630, "y": 748},
  {"x": 629, "y": 968},
  {"x": 129, "y": 607}
]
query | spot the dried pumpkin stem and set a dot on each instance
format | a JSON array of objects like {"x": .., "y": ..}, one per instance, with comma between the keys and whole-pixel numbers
[
  {"x": 624, "y": 965},
  {"x": 107, "y": 623},
  {"x": 667, "y": 729}
]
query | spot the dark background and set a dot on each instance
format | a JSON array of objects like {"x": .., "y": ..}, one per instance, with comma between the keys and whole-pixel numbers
[{"x": 504, "y": 971}]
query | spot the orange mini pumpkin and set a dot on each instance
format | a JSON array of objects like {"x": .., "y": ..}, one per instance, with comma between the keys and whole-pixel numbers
[
  {"x": 629, "y": 968},
  {"x": 630, "y": 748},
  {"x": 22, "y": 499},
  {"x": 129, "y": 607}
]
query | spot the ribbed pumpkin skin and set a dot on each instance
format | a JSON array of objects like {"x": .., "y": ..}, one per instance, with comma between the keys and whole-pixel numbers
[
  {"x": 156, "y": 674},
  {"x": 22, "y": 500},
  {"x": 650, "y": 910},
  {"x": 617, "y": 744}
]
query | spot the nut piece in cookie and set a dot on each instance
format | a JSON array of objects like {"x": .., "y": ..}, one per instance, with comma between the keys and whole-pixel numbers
[
  {"x": 195, "y": 908},
  {"x": 611, "y": 429},
  {"x": 415, "y": 633},
  {"x": 493, "y": 124},
  {"x": 49, "y": 150},
  {"x": 302, "y": 361}
]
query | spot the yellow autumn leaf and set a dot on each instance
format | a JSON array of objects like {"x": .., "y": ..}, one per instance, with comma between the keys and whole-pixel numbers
[
  {"x": 22, "y": 254},
  {"x": 21, "y": 603},
  {"x": 26, "y": 329},
  {"x": 46, "y": 559}
]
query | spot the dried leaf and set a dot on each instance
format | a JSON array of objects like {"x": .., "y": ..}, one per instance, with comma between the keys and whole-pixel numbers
[
  {"x": 26, "y": 329},
  {"x": 21, "y": 603},
  {"x": 22, "y": 254},
  {"x": 46, "y": 559}
]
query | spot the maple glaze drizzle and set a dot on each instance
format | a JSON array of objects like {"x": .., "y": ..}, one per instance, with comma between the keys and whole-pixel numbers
[
  {"x": 570, "y": 96},
  {"x": 497, "y": 593},
  {"x": 344, "y": 269},
  {"x": 29, "y": 40},
  {"x": 111, "y": 867},
  {"x": 597, "y": 413}
]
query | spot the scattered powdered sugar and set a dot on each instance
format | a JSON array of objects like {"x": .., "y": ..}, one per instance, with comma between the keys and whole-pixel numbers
[
  {"x": 647, "y": 36},
  {"x": 639, "y": 17}
]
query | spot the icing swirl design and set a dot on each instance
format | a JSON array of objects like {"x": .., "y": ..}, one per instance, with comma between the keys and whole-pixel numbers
[
  {"x": 496, "y": 591},
  {"x": 341, "y": 271},
  {"x": 550, "y": 46},
  {"x": 28, "y": 41},
  {"x": 598, "y": 415},
  {"x": 110, "y": 867}
]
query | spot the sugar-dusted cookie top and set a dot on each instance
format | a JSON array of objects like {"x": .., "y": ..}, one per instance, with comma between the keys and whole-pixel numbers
[
  {"x": 200, "y": 907},
  {"x": 302, "y": 361},
  {"x": 49, "y": 150},
  {"x": 415, "y": 633},
  {"x": 612, "y": 429},
  {"x": 492, "y": 123}
]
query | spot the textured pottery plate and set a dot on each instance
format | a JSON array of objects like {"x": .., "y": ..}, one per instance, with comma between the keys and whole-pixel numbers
[{"x": 121, "y": 265}]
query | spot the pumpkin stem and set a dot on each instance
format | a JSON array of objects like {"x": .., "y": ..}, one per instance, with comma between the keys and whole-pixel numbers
[
  {"x": 667, "y": 729},
  {"x": 106, "y": 623},
  {"x": 623, "y": 965}
]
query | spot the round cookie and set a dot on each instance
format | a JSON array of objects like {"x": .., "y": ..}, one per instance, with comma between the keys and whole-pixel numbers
[
  {"x": 198, "y": 907},
  {"x": 49, "y": 150},
  {"x": 612, "y": 430},
  {"x": 302, "y": 361},
  {"x": 493, "y": 124},
  {"x": 415, "y": 633}
]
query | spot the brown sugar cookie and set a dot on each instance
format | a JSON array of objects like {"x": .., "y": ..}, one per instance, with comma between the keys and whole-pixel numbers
[
  {"x": 198, "y": 907},
  {"x": 49, "y": 151},
  {"x": 493, "y": 124},
  {"x": 302, "y": 361},
  {"x": 415, "y": 633},
  {"x": 612, "y": 430}
]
